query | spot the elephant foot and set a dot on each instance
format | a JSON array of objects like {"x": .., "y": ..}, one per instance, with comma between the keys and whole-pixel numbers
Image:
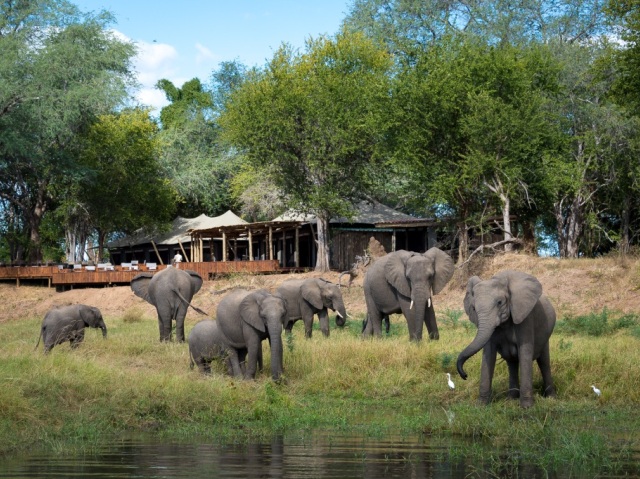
[
  {"x": 435, "y": 335},
  {"x": 513, "y": 394},
  {"x": 484, "y": 401},
  {"x": 549, "y": 392},
  {"x": 526, "y": 403}
]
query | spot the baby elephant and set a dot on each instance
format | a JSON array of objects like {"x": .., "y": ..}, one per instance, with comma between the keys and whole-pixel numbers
[
  {"x": 67, "y": 324},
  {"x": 207, "y": 343}
]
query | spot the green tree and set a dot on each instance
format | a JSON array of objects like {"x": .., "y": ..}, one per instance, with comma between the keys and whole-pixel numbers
[
  {"x": 122, "y": 189},
  {"x": 58, "y": 70},
  {"x": 189, "y": 103},
  {"x": 315, "y": 120}
]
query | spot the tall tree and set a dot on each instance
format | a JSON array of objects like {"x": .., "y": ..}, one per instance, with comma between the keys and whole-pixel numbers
[
  {"x": 316, "y": 120},
  {"x": 122, "y": 189},
  {"x": 59, "y": 69}
]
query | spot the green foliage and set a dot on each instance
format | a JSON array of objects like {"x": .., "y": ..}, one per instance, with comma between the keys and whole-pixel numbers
[
  {"x": 314, "y": 122},
  {"x": 59, "y": 70},
  {"x": 189, "y": 103},
  {"x": 598, "y": 324}
]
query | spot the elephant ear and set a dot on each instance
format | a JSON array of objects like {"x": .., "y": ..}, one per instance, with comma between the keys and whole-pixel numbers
[
  {"x": 250, "y": 310},
  {"x": 443, "y": 268},
  {"x": 140, "y": 285},
  {"x": 469, "y": 300},
  {"x": 196, "y": 281},
  {"x": 311, "y": 292},
  {"x": 89, "y": 315},
  {"x": 394, "y": 271},
  {"x": 524, "y": 293}
]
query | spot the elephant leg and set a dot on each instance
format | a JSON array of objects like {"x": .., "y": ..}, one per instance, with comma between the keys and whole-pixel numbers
[
  {"x": 164, "y": 325},
  {"x": 180, "y": 315},
  {"x": 544, "y": 363},
  {"x": 430, "y": 322},
  {"x": 253, "y": 344},
  {"x": 234, "y": 361},
  {"x": 387, "y": 323},
  {"x": 204, "y": 365},
  {"x": 323, "y": 317},
  {"x": 486, "y": 372},
  {"x": 514, "y": 383},
  {"x": 373, "y": 325},
  {"x": 76, "y": 338},
  {"x": 308, "y": 325},
  {"x": 525, "y": 357}
]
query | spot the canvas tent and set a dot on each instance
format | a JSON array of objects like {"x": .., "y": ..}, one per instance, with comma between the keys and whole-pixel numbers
[{"x": 160, "y": 247}]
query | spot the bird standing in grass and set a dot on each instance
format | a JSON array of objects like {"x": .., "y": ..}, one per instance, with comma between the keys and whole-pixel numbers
[
  {"x": 450, "y": 382},
  {"x": 596, "y": 390}
]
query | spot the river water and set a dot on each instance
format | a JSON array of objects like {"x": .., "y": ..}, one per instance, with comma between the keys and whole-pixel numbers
[{"x": 319, "y": 455}]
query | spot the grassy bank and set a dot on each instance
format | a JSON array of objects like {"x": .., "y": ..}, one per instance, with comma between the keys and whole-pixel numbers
[{"x": 131, "y": 382}]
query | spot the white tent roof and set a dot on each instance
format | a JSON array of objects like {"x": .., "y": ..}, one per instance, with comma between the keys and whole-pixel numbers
[
  {"x": 179, "y": 231},
  {"x": 365, "y": 212}
]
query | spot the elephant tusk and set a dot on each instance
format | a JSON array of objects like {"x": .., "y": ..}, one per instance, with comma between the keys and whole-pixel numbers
[
  {"x": 338, "y": 313},
  {"x": 429, "y": 303},
  {"x": 411, "y": 305}
]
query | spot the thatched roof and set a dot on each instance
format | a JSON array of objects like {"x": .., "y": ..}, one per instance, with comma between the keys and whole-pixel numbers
[{"x": 179, "y": 231}]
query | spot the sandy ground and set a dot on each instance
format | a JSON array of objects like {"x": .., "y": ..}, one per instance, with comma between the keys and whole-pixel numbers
[{"x": 574, "y": 287}]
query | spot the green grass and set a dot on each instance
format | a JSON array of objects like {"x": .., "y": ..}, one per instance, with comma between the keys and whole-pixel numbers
[{"x": 132, "y": 382}]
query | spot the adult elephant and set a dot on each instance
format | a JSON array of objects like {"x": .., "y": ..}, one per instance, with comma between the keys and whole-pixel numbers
[
  {"x": 170, "y": 291},
  {"x": 403, "y": 282},
  {"x": 246, "y": 318},
  {"x": 516, "y": 320},
  {"x": 307, "y": 297},
  {"x": 67, "y": 323}
]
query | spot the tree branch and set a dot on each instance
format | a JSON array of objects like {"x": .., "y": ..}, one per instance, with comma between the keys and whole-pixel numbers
[{"x": 493, "y": 246}]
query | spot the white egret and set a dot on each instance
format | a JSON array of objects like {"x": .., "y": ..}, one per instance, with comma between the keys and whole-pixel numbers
[
  {"x": 596, "y": 390},
  {"x": 450, "y": 382}
]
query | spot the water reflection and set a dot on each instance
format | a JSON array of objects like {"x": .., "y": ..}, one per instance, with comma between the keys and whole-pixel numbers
[{"x": 316, "y": 456}]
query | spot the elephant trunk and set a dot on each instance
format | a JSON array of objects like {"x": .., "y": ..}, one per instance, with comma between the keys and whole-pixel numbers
[
  {"x": 419, "y": 297},
  {"x": 275, "y": 340},
  {"x": 341, "y": 314},
  {"x": 103, "y": 327},
  {"x": 482, "y": 336}
]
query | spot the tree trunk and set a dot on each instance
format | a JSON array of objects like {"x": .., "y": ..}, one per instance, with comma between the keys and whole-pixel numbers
[
  {"x": 463, "y": 243},
  {"x": 529, "y": 237},
  {"x": 624, "y": 226},
  {"x": 322, "y": 262},
  {"x": 35, "y": 219}
]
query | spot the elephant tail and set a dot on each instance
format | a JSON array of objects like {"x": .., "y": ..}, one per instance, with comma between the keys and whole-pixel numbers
[
  {"x": 191, "y": 361},
  {"x": 39, "y": 338},
  {"x": 189, "y": 304}
]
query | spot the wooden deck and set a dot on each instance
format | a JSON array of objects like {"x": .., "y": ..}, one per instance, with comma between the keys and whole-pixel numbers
[{"x": 70, "y": 277}]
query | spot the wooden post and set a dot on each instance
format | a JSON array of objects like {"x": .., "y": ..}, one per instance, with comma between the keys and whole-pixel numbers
[
  {"x": 224, "y": 246},
  {"x": 284, "y": 248},
  {"x": 297, "y": 248},
  {"x": 157, "y": 253},
  {"x": 270, "y": 243},
  {"x": 235, "y": 249},
  {"x": 393, "y": 241},
  {"x": 186, "y": 258},
  {"x": 250, "y": 245}
]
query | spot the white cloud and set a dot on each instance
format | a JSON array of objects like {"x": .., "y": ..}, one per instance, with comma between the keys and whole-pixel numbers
[{"x": 204, "y": 54}]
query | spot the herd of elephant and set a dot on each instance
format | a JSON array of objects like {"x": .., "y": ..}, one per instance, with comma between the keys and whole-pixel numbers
[{"x": 513, "y": 317}]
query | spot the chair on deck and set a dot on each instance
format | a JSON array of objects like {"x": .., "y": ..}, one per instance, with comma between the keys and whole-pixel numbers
[
  {"x": 77, "y": 267},
  {"x": 152, "y": 266},
  {"x": 126, "y": 266},
  {"x": 90, "y": 268}
]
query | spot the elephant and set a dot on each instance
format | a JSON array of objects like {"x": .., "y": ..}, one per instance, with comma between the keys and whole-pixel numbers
[
  {"x": 207, "y": 343},
  {"x": 308, "y": 297},
  {"x": 170, "y": 291},
  {"x": 403, "y": 282},
  {"x": 516, "y": 320},
  {"x": 67, "y": 323},
  {"x": 246, "y": 318}
]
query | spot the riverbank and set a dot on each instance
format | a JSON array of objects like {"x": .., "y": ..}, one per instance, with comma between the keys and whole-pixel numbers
[{"x": 131, "y": 382}]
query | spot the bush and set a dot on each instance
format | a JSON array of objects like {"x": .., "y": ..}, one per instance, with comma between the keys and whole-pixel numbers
[{"x": 598, "y": 324}]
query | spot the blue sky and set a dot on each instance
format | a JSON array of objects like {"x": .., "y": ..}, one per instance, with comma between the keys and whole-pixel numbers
[{"x": 187, "y": 39}]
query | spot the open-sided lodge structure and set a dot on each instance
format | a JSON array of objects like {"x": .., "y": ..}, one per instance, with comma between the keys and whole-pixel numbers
[
  {"x": 145, "y": 246},
  {"x": 290, "y": 238}
]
